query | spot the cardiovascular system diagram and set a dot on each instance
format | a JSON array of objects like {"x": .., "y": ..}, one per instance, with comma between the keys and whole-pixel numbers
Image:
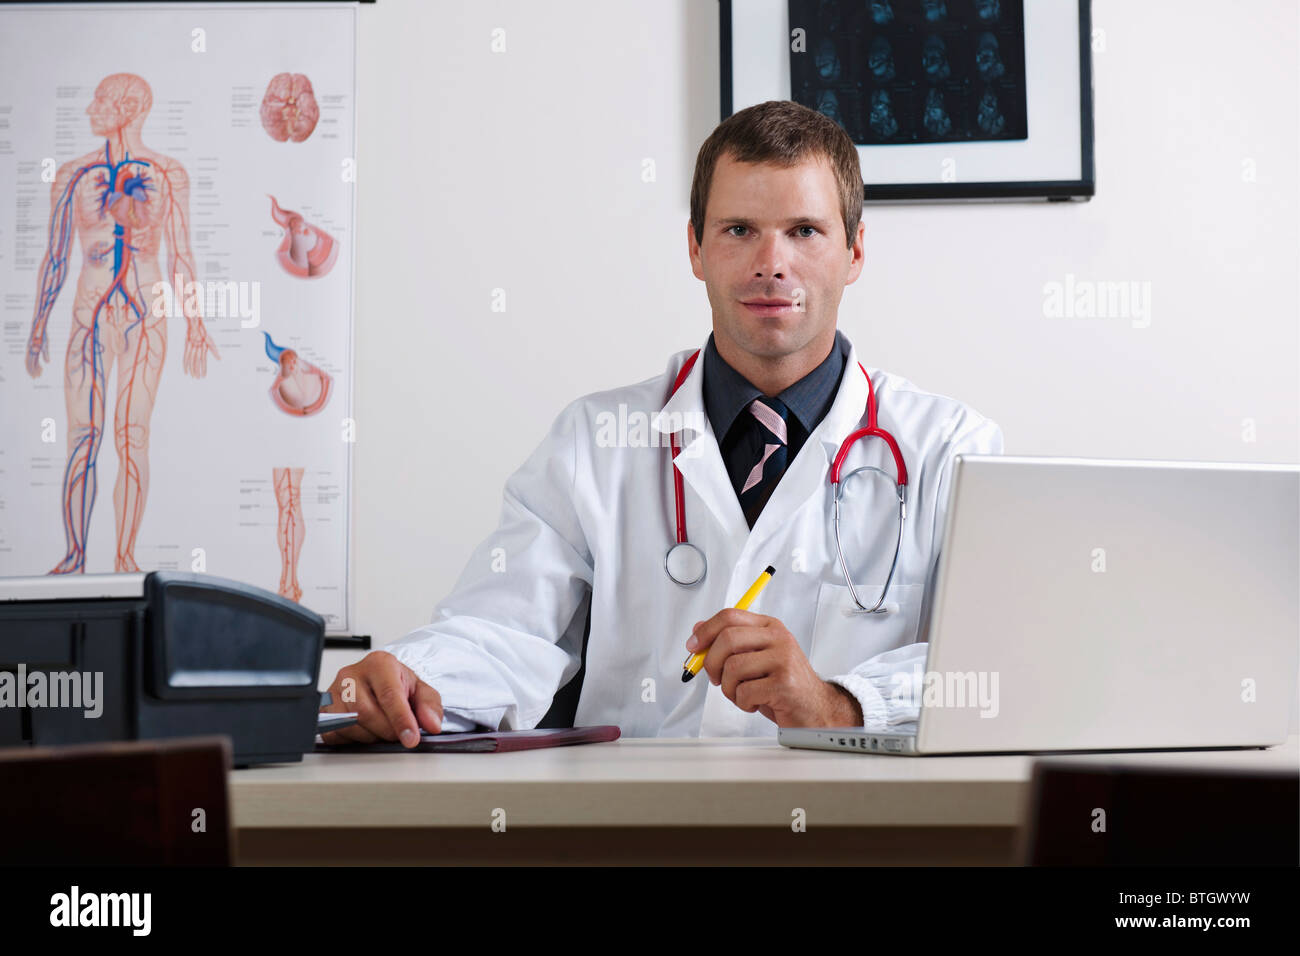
[
  {"x": 120, "y": 205},
  {"x": 123, "y": 201}
]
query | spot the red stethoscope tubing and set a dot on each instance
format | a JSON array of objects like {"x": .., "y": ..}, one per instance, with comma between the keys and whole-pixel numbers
[
  {"x": 872, "y": 429},
  {"x": 678, "y": 494}
]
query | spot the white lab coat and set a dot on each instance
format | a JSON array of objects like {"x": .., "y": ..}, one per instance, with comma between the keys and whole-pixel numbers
[{"x": 588, "y": 516}]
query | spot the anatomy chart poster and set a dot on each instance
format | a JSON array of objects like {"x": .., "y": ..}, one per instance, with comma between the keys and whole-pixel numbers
[{"x": 176, "y": 263}]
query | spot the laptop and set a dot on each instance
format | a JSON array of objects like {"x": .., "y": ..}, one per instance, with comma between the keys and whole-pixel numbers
[{"x": 1092, "y": 604}]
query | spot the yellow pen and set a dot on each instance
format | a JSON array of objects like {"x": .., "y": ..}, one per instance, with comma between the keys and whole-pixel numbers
[{"x": 696, "y": 660}]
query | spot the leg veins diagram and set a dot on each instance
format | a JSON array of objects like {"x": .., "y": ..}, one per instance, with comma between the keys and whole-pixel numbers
[{"x": 290, "y": 527}]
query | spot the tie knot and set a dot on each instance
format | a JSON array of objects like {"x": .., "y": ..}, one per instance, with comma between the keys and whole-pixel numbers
[{"x": 771, "y": 414}]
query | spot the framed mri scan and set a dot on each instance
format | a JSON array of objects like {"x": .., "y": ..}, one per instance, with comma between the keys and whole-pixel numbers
[{"x": 947, "y": 100}]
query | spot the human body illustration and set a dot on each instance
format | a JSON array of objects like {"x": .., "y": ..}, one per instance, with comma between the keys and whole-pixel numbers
[
  {"x": 289, "y": 527},
  {"x": 307, "y": 251},
  {"x": 123, "y": 200},
  {"x": 300, "y": 388}
]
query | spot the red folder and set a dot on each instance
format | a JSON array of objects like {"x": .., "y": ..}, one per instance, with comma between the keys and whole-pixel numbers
[{"x": 493, "y": 741}]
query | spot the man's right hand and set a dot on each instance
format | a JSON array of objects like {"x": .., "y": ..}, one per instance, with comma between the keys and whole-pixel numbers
[{"x": 391, "y": 703}]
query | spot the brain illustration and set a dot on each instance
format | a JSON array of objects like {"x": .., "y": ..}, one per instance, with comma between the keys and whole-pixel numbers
[{"x": 289, "y": 110}]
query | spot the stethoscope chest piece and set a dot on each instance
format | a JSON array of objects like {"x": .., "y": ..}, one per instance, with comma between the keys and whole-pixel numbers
[{"x": 685, "y": 564}]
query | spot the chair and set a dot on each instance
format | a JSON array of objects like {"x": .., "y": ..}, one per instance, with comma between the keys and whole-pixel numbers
[
  {"x": 1159, "y": 816},
  {"x": 117, "y": 804},
  {"x": 564, "y": 706}
]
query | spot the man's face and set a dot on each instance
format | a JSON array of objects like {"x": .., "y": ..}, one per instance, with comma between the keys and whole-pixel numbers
[{"x": 773, "y": 233}]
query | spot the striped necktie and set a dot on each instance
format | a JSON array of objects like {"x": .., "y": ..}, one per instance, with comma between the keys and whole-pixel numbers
[{"x": 769, "y": 421}]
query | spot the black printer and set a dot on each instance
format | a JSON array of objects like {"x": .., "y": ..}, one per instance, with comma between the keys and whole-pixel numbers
[{"x": 99, "y": 657}]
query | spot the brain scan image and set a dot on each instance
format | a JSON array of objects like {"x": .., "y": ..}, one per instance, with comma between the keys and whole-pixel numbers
[
  {"x": 934, "y": 10},
  {"x": 828, "y": 104},
  {"x": 828, "y": 62},
  {"x": 913, "y": 72},
  {"x": 934, "y": 58},
  {"x": 882, "y": 120},
  {"x": 936, "y": 118},
  {"x": 988, "y": 61},
  {"x": 989, "y": 115},
  {"x": 880, "y": 59}
]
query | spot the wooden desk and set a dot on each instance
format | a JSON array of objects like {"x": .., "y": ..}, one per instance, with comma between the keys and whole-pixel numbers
[{"x": 651, "y": 801}]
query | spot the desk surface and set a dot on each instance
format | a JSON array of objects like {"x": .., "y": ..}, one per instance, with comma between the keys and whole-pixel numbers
[{"x": 640, "y": 782}]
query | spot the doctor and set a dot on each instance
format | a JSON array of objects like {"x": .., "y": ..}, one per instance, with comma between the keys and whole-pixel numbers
[{"x": 758, "y": 419}]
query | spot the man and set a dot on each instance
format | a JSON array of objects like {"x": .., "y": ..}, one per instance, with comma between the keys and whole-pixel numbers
[{"x": 775, "y": 234}]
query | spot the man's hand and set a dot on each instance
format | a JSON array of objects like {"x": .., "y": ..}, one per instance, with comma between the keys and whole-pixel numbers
[
  {"x": 761, "y": 667},
  {"x": 391, "y": 703}
]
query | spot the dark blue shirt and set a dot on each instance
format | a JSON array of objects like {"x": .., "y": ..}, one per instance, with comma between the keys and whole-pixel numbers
[{"x": 727, "y": 395}]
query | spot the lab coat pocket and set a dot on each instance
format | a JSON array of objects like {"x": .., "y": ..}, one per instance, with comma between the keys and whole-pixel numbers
[{"x": 845, "y": 636}]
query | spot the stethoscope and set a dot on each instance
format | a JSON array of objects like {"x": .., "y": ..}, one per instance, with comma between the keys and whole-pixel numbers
[{"x": 685, "y": 563}]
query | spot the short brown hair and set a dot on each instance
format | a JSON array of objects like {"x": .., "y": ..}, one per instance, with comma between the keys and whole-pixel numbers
[{"x": 783, "y": 133}]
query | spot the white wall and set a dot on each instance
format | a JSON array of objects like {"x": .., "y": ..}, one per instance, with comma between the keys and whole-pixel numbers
[{"x": 522, "y": 171}]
